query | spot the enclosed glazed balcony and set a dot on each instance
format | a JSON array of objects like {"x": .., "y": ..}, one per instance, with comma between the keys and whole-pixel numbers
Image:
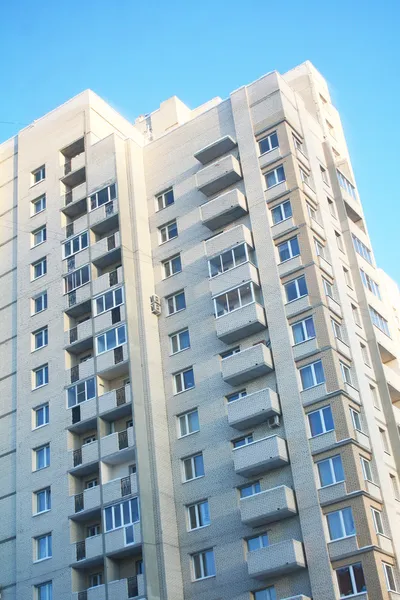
[
  {"x": 104, "y": 218},
  {"x": 235, "y": 277},
  {"x": 247, "y": 364},
  {"x": 215, "y": 150},
  {"x": 275, "y": 560},
  {"x": 224, "y": 209},
  {"x": 268, "y": 506},
  {"x": 125, "y": 589},
  {"x": 260, "y": 456},
  {"x": 124, "y": 540},
  {"x": 120, "y": 488},
  {"x": 253, "y": 409},
  {"x": 116, "y": 447},
  {"x": 106, "y": 251},
  {"x": 393, "y": 381},
  {"x": 218, "y": 175}
]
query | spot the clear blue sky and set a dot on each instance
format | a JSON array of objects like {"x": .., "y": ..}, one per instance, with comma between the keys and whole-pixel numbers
[{"x": 135, "y": 54}]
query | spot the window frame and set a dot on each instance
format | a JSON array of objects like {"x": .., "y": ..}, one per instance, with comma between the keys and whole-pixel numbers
[
  {"x": 336, "y": 326},
  {"x": 173, "y": 298},
  {"x": 41, "y": 171},
  {"x": 293, "y": 241},
  {"x": 346, "y": 184},
  {"x": 330, "y": 460},
  {"x": 119, "y": 341},
  {"x": 355, "y": 415},
  {"x": 240, "y": 393},
  {"x": 119, "y": 506},
  {"x": 282, "y": 212},
  {"x": 182, "y": 378},
  {"x": 47, "y": 587},
  {"x": 75, "y": 386},
  {"x": 42, "y": 231},
  {"x": 44, "y": 332},
  {"x": 168, "y": 263},
  {"x": 361, "y": 249},
  {"x": 111, "y": 196},
  {"x": 45, "y": 369},
  {"x": 165, "y": 228},
  {"x": 342, "y": 524},
  {"x": 370, "y": 284},
  {"x": 73, "y": 276},
  {"x": 47, "y": 458},
  {"x": 346, "y": 373},
  {"x": 42, "y": 261},
  {"x": 39, "y": 201},
  {"x": 197, "y": 515},
  {"x": 355, "y": 592},
  {"x": 162, "y": 196},
  {"x": 268, "y": 139},
  {"x": 79, "y": 236},
  {"x": 247, "y": 285},
  {"x": 110, "y": 293},
  {"x": 295, "y": 281},
  {"x": 261, "y": 537},
  {"x": 176, "y": 336},
  {"x": 49, "y": 546},
  {"x": 378, "y": 521},
  {"x": 367, "y": 470},
  {"x": 44, "y": 297},
  {"x": 47, "y": 502},
  {"x": 192, "y": 461},
  {"x": 202, "y": 554},
  {"x": 304, "y": 331},
  {"x": 253, "y": 485},
  {"x": 275, "y": 170},
  {"x": 379, "y": 321},
  {"x": 314, "y": 378},
  {"x": 234, "y": 260},
  {"x": 185, "y": 417},
  {"x": 386, "y": 567},
  {"x": 46, "y": 414},
  {"x": 320, "y": 412}
]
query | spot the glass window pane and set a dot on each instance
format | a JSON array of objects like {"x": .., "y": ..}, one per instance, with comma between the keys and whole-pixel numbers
[
  {"x": 315, "y": 423},
  {"x": 111, "y": 338},
  {"x": 117, "y": 516},
  {"x": 338, "y": 468},
  {"x": 309, "y": 325},
  {"x": 184, "y": 339},
  {"x": 198, "y": 465},
  {"x": 295, "y": 247},
  {"x": 240, "y": 254},
  {"x": 291, "y": 291},
  {"x": 335, "y": 526},
  {"x": 192, "y": 517},
  {"x": 129, "y": 534},
  {"x": 246, "y": 294},
  {"x": 359, "y": 578},
  {"x": 319, "y": 372},
  {"x": 101, "y": 344},
  {"x": 328, "y": 419},
  {"x": 221, "y": 305},
  {"x": 306, "y": 378},
  {"x": 233, "y": 300},
  {"x": 197, "y": 566},
  {"x": 204, "y": 513},
  {"x": 215, "y": 266},
  {"x": 209, "y": 563},
  {"x": 325, "y": 473},
  {"x": 227, "y": 260},
  {"x": 135, "y": 510},
  {"x": 284, "y": 253},
  {"x": 180, "y": 301},
  {"x": 298, "y": 333},
  {"x": 348, "y": 521},
  {"x": 193, "y": 419},
  {"x": 344, "y": 581},
  {"x": 302, "y": 286},
  {"x": 126, "y": 513},
  {"x": 188, "y": 378},
  {"x": 188, "y": 469}
]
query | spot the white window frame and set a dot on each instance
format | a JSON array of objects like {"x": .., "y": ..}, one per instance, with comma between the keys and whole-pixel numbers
[
  {"x": 246, "y": 439},
  {"x": 324, "y": 175},
  {"x": 110, "y": 294},
  {"x": 43, "y": 269},
  {"x": 395, "y": 486},
  {"x": 337, "y": 328},
  {"x": 249, "y": 285},
  {"x": 75, "y": 386},
  {"x": 305, "y": 177},
  {"x": 192, "y": 461},
  {"x": 41, "y": 172},
  {"x": 235, "y": 264},
  {"x": 173, "y": 298},
  {"x": 289, "y": 244},
  {"x": 230, "y": 352},
  {"x": 320, "y": 412},
  {"x": 296, "y": 282},
  {"x": 47, "y": 461},
  {"x": 45, "y": 369},
  {"x": 110, "y": 196},
  {"x": 281, "y": 211},
  {"x": 280, "y": 169},
  {"x": 43, "y": 296},
  {"x": 240, "y": 394},
  {"x": 38, "y": 202},
  {"x": 385, "y": 440},
  {"x": 76, "y": 279},
  {"x": 47, "y": 500},
  {"x": 356, "y": 315},
  {"x": 332, "y": 470},
  {"x": 47, "y": 587},
  {"x": 81, "y": 237},
  {"x": 41, "y": 233},
  {"x": 386, "y": 568},
  {"x": 167, "y": 266},
  {"x": 46, "y": 413},
  {"x": 95, "y": 579},
  {"x": 367, "y": 470},
  {"x": 162, "y": 197},
  {"x": 302, "y": 323},
  {"x": 184, "y": 417},
  {"x": 342, "y": 524},
  {"x": 379, "y": 321},
  {"x": 353, "y": 580},
  {"x": 120, "y": 339},
  {"x": 197, "y": 515},
  {"x": 370, "y": 284},
  {"x": 346, "y": 184},
  {"x": 346, "y": 373},
  {"x": 122, "y": 513},
  {"x": 378, "y": 521},
  {"x": 176, "y": 336},
  {"x": 202, "y": 564},
  {"x": 320, "y": 249},
  {"x": 268, "y": 138},
  {"x": 180, "y": 375},
  {"x": 328, "y": 288},
  {"x": 361, "y": 249},
  {"x": 299, "y": 145},
  {"x": 312, "y": 367},
  {"x": 253, "y": 486},
  {"x": 356, "y": 419},
  {"x": 332, "y": 208},
  {"x": 164, "y": 231},
  {"x": 40, "y": 334},
  {"x": 261, "y": 539}
]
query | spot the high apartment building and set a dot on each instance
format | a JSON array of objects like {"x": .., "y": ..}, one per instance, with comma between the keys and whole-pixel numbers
[{"x": 199, "y": 376}]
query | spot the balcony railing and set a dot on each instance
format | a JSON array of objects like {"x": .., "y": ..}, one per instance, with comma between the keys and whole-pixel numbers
[
  {"x": 133, "y": 587},
  {"x": 120, "y": 396},
  {"x": 126, "y": 486},
  {"x": 123, "y": 439},
  {"x": 80, "y": 550},
  {"x": 79, "y": 502},
  {"x": 83, "y": 595},
  {"x": 77, "y": 457}
]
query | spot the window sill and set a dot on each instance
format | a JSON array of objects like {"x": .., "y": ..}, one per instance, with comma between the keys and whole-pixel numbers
[
  {"x": 37, "y": 183},
  {"x": 166, "y": 241},
  {"x": 275, "y": 184},
  {"x": 177, "y": 311},
  {"x": 39, "y": 387},
  {"x": 38, "y": 312},
  {"x": 313, "y": 386},
  {"x": 40, "y": 348},
  {"x": 345, "y": 537},
  {"x": 40, "y": 560},
  {"x": 180, "y": 351},
  {"x": 40, "y": 426},
  {"x": 42, "y": 512},
  {"x": 40, "y": 469},
  {"x": 303, "y": 342},
  {"x": 39, "y": 244},
  {"x": 38, "y": 277},
  {"x": 319, "y": 435},
  {"x": 267, "y": 152},
  {"x": 172, "y": 275},
  {"x": 203, "y": 578},
  {"x": 282, "y": 221},
  {"x": 39, "y": 212},
  {"x": 287, "y": 259},
  {"x": 323, "y": 487},
  {"x": 183, "y": 391},
  {"x": 294, "y": 299},
  {"x": 194, "y": 479},
  {"x": 181, "y": 437},
  {"x": 201, "y": 527}
]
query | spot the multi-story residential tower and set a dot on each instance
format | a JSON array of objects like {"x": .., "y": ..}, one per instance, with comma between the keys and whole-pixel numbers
[{"x": 199, "y": 377}]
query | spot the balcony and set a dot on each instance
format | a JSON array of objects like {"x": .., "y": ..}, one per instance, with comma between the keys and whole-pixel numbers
[
  {"x": 224, "y": 209},
  {"x": 325, "y": 265},
  {"x": 104, "y": 218},
  {"x": 215, "y": 150},
  {"x": 269, "y": 157},
  {"x": 247, "y": 365},
  {"x": 353, "y": 207},
  {"x": 84, "y": 458},
  {"x": 116, "y": 544},
  {"x": 116, "y": 489},
  {"x": 86, "y": 503},
  {"x": 393, "y": 382},
  {"x": 288, "y": 266},
  {"x": 282, "y": 227},
  {"x": 312, "y": 394},
  {"x": 241, "y": 323},
  {"x": 115, "y": 447},
  {"x": 73, "y": 170},
  {"x": 79, "y": 338},
  {"x": 317, "y": 227},
  {"x": 124, "y": 589},
  {"x": 304, "y": 349},
  {"x": 296, "y": 306},
  {"x": 275, "y": 560},
  {"x": 332, "y": 493},
  {"x": 260, "y": 456},
  {"x": 269, "y": 506},
  {"x": 341, "y": 548},
  {"x": 77, "y": 302},
  {"x": 81, "y": 371},
  {"x": 387, "y": 348},
  {"x": 83, "y": 416},
  {"x": 309, "y": 191},
  {"x": 74, "y": 201},
  {"x": 106, "y": 251},
  {"x": 76, "y": 226},
  {"x": 107, "y": 319},
  {"x": 234, "y": 278},
  {"x": 253, "y": 409},
  {"x": 94, "y": 593},
  {"x": 76, "y": 261},
  {"x": 218, "y": 175},
  {"x": 275, "y": 191},
  {"x": 87, "y": 551},
  {"x": 334, "y": 306},
  {"x": 116, "y": 403},
  {"x": 113, "y": 363},
  {"x": 108, "y": 280},
  {"x": 229, "y": 239}
]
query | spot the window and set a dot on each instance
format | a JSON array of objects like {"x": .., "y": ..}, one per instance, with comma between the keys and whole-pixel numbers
[
  {"x": 328, "y": 287},
  {"x": 102, "y": 196},
  {"x": 124, "y": 513},
  {"x": 330, "y": 470},
  {"x": 76, "y": 244},
  {"x": 356, "y": 418},
  {"x": 85, "y": 390},
  {"x": 41, "y": 415},
  {"x": 378, "y": 521},
  {"x": 198, "y": 515},
  {"x": 243, "y": 441},
  {"x": 184, "y": 380},
  {"x": 340, "y": 524},
  {"x": 39, "y": 174},
  {"x": 356, "y": 315},
  {"x": 40, "y": 376},
  {"x": 379, "y": 321},
  {"x": 44, "y": 591},
  {"x": 375, "y": 397},
  {"x": 95, "y": 579},
  {"x": 347, "y": 277},
  {"x": 320, "y": 249},
  {"x": 268, "y": 143},
  {"x": 313, "y": 213},
  {"x": 395, "y": 486},
  {"x": 351, "y": 580},
  {"x": 265, "y": 594},
  {"x": 296, "y": 289},
  {"x": 38, "y": 205},
  {"x": 40, "y": 338},
  {"x": 337, "y": 330},
  {"x": 43, "y": 500},
  {"x": 39, "y": 268},
  {"x": 324, "y": 175},
  {"x": 203, "y": 564},
  {"x": 43, "y": 547},
  {"x": 176, "y": 302},
  {"x": 331, "y": 206},
  {"x": 111, "y": 339},
  {"x": 303, "y": 330},
  {"x": 39, "y": 236},
  {"x": 370, "y": 284},
  {"x": 193, "y": 467},
  {"x": 93, "y": 530},
  {"x": 89, "y": 439},
  {"x": 168, "y": 232},
  {"x": 275, "y": 176},
  {"x": 362, "y": 249},
  {"x": 109, "y": 300},
  {"x": 298, "y": 144},
  {"x": 230, "y": 352},
  {"x": 188, "y": 423},
  {"x": 76, "y": 279},
  {"x": 165, "y": 199},
  {"x": 305, "y": 177},
  {"x": 172, "y": 265},
  {"x": 257, "y": 542},
  {"x": 389, "y": 576},
  {"x": 250, "y": 490},
  {"x": 91, "y": 483},
  {"x": 228, "y": 260},
  {"x": 321, "y": 421},
  {"x": 346, "y": 373},
  {"x": 42, "y": 457},
  {"x": 367, "y": 470},
  {"x": 346, "y": 185},
  {"x": 39, "y": 303},
  {"x": 179, "y": 341},
  {"x": 281, "y": 212},
  {"x": 236, "y": 395},
  {"x": 234, "y": 299},
  {"x": 289, "y": 249},
  {"x": 385, "y": 442},
  {"x": 365, "y": 355},
  {"x": 312, "y": 375}
]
